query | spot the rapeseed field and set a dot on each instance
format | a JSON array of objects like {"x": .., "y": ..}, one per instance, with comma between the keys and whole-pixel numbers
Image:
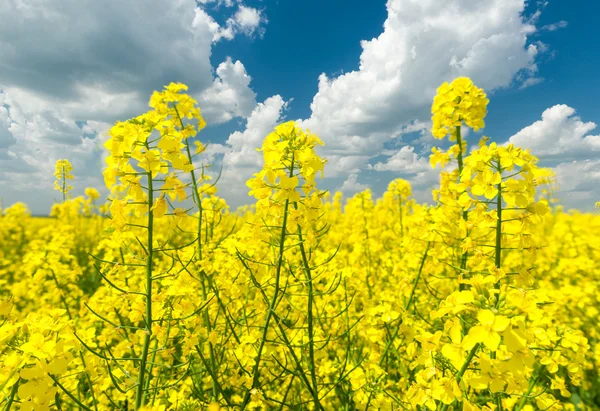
[{"x": 164, "y": 298}]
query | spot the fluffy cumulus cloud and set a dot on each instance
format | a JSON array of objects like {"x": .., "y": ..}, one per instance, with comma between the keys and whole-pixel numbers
[
  {"x": 230, "y": 94},
  {"x": 246, "y": 20},
  {"x": 239, "y": 156},
  {"x": 423, "y": 44},
  {"x": 559, "y": 133},
  {"x": 404, "y": 160},
  {"x": 563, "y": 141},
  {"x": 352, "y": 186},
  {"x": 70, "y": 68}
]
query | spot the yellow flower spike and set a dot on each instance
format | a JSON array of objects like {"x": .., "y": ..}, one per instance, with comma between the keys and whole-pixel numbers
[
  {"x": 455, "y": 103},
  {"x": 62, "y": 173}
]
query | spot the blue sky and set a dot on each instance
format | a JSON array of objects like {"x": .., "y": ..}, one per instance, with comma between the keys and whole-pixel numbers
[
  {"x": 569, "y": 71},
  {"x": 361, "y": 75},
  {"x": 304, "y": 39}
]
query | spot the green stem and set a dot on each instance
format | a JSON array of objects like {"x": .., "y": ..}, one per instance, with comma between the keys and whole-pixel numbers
[
  {"x": 152, "y": 362},
  {"x": 529, "y": 389},
  {"x": 465, "y": 213},
  {"x": 468, "y": 360},
  {"x": 414, "y": 287},
  {"x": 64, "y": 301},
  {"x": 288, "y": 344},
  {"x": 71, "y": 396},
  {"x": 271, "y": 311},
  {"x": 196, "y": 195},
  {"x": 64, "y": 184},
  {"x": 311, "y": 342},
  {"x": 498, "y": 255},
  {"x": 408, "y": 303},
  {"x": 498, "y": 263},
  {"x": 401, "y": 212},
  {"x": 198, "y": 201},
  {"x": 148, "y": 320},
  {"x": 463, "y": 369},
  {"x": 368, "y": 248},
  {"x": 13, "y": 393}
]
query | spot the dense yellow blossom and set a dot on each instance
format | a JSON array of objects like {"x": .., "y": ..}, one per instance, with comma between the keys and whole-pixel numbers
[
  {"x": 456, "y": 103},
  {"x": 162, "y": 298}
]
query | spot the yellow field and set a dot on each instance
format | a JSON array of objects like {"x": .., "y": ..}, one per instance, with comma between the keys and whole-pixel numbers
[{"x": 486, "y": 300}]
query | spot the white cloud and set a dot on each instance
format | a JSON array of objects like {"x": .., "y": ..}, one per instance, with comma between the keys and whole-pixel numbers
[
  {"x": 226, "y": 3},
  {"x": 560, "y": 133},
  {"x": 531, "y": 81},
  {"x": 55, "y": 46},
  {"x": 40, "y": 137},
  {"x": 579, "y": 183},
  {"x": 343, "y": 165},
  {"x": 230, "y": 94},
  {"x": 240, "y": 158},
  {"x": 261, "y": 122},
  {"x": 351, "y": 185},
  {"x": 562, "y": 141},
  {"x": 555, "y": 26},
  {"x": 246, "y": 20},
  {"x": 423, "y": 44},
  {"x": 202, "y": 18},
  {"x": 70, "y": 68},
  {"x": 404, "y": 160}
]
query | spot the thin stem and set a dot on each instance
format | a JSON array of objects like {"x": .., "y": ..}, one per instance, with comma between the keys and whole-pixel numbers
[
  {"x": 526, "y": 396},
  {"x": 64, "y": 301},
  {"x": 271, "y": 311},
  {"x": 64, "y": 184},
  {"x": 465, "y": 213},
  {"x": 498, "y": 256},
  {"x": 408, "y": 303},
  {"x": 311, "y": 341},
  {"x": 368, "y": 249},
  {"x": 13, "y": 393},
  {"x": 198, "y": 201},
  {"x": 148, "y": 320},
  {"x": 71, "y": 396},
  {"x": 463, "y": 369}
]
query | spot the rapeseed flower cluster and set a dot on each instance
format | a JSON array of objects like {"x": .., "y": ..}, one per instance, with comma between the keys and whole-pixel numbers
[
  {"x": 62, "y": 173},
  {"x": 162, "y": 298}
]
